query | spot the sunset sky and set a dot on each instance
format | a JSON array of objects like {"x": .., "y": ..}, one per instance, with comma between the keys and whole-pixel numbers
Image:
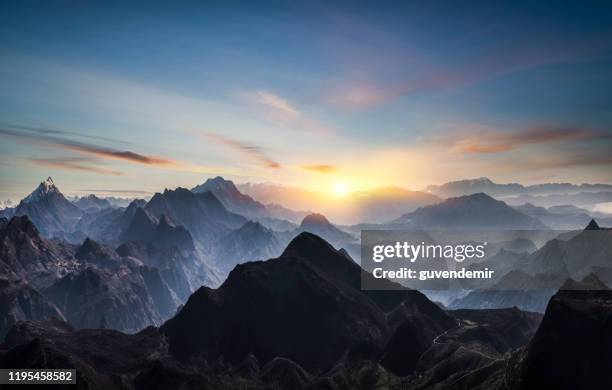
[{"x": 113, "y": 98}]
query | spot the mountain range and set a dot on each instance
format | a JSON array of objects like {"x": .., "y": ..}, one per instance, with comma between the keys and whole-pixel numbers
[{"x": 483, "y": 184}]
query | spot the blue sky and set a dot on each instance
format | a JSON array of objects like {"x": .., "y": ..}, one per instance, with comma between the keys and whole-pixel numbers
[{"x": 119, "y": 96}]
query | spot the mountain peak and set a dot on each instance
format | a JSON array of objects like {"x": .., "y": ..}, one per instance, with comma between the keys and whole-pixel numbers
[
  {"x": 44, "y": 189},
  {"x": 216, "y": 184},
  {"x": 592, "y": 225},
  {"x": 315, "y": 219}
]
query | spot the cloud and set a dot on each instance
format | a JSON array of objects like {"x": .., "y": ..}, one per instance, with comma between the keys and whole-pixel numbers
[
  {"x": 496, "y": 142},
  {"x": 45, "y": 139},
  {"x": 320, "y": 168},
  {"x": 53, "y": 131},
  {"x": 393, "y": 72},
  {"x": 281, "y": 111},
  {"x": 73, "y": 164},
  {"x": 252, "y": 152},
  {"x": 274, "y": 102}
]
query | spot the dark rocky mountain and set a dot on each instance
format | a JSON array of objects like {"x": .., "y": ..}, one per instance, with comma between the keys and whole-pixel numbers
[
  {"x": 483, "y": 184},
  {"x": 231, "y": 198},
  {"x": 299, "y": 321},
  {"x": 572, "y": 348},
  {"x": 477, "y": 211},
  {"x": 19, "y": 302},
  {"x": 92, "y": 203},
  {"x": 24, "y": 253},
  {"x": 305, "y": 306},
  {"x": 49, "y": 210},
  {"x": 118, "y": 299}
]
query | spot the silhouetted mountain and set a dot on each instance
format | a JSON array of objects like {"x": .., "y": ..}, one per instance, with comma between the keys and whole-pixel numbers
[
  {"x": 20, "y": 302},
  {"x": 477, "y": 211},
  {"x": 231, "y": 198},
  {"x": 306, "y": 305},
  {"x": 49, "y": 210},
  {"x": 571, "y": 349}
]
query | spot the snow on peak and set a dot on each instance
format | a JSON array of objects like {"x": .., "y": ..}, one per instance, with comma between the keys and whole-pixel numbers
[{"x": 43, "y": 190}]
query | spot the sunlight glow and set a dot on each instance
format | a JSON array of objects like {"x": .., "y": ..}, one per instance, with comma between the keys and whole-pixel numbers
[{"x": 340, "y": 189}]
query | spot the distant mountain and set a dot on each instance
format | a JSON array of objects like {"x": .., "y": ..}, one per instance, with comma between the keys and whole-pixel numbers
[
  {"x": 231, "y": 198},
  {"x": 477, "y": 211},
  {"x": 319, "y": 225},
  {"x": 49, "y": 210},
  {"x": 372, "y": 206},
  {"x": 285, "y": 213},
  {"x": 581, "y": 199},
  {"x": 557, "y": 217},
  {"x": 529, "y": 280},
  {"x": 202, "y": 214},
  {"x": 252, "y": 241},
  {"x": 91, "y": 203},
  {"x": 384, "y": 204},
  {"x": 483, "y": 184}
]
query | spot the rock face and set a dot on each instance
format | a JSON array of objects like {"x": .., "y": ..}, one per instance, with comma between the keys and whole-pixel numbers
[
  {"x": 96, "y": 298},
  {"x": 305, "y": 306},
  {"x": 25, "y": 254},
  {"x": 19, "y": 302},
  {"x": 476, "y": 211},
  {"x": 572, "y": 348}
]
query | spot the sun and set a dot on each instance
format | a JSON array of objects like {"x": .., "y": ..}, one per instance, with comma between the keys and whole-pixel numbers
[{"x": 340, "y": 189}]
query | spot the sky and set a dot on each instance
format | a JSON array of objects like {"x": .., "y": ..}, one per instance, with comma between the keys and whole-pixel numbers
[{"x": 125, "y": 98}]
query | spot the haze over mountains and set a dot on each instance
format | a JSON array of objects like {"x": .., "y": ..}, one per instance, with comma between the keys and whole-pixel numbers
[{"x": 218, "y": 289}]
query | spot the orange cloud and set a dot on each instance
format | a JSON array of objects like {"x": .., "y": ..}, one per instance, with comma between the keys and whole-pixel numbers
[
  {"x": 498, "y": 142},
  {"x": 85, "y": 148},
  {"x": 321, "y": 168}
]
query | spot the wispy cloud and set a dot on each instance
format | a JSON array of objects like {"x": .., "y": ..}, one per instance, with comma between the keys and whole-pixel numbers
[
  {"x": 45, "y": 139},
  {"x": 60, "y": 132},
  {"x": 395, "y": 72},
  {"x": 73, "y": 164},
  {"x": 497, "y": 142},
  {"x": 253, "y": 152},
  {"x": 274, "y": 102},
  {"x": 320, "y": 168},
  {"x": 281, "y": 110}
]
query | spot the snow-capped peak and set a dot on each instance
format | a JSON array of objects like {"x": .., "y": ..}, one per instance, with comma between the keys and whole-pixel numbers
[{"x": 43, "y": 190}]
